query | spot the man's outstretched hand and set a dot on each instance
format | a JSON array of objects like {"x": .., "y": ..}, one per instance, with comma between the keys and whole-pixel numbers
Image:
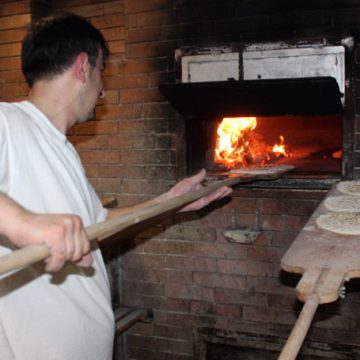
[{"x": 193, "y": 183}]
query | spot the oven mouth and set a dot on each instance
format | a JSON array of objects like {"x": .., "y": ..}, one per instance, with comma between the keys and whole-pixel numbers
[{"x": 308, "y": 111}]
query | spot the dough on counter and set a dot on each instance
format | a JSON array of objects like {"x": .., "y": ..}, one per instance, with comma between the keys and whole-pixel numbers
[
  {"x": 349, "y": 187},
  {"x": 343, "y": 203},
  {"x": 347, "y": 223}
]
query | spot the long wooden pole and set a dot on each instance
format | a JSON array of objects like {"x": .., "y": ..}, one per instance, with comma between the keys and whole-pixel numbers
[
  {"x": 29, "y": 255},
  {"x": 300, "y": 329}
]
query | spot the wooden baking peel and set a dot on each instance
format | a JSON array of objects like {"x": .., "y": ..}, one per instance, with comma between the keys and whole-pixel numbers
[
  {"x": 32, "y": 254},
  {"x": 326, "y": 260}
]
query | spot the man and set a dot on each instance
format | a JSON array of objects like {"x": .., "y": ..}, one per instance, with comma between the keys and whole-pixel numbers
[{"x": 60, "y": 309}]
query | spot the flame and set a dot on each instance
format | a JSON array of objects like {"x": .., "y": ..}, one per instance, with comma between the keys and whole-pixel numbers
[
  {"x": 237, "y": 145},
  {"x": 280, "y": 149}
]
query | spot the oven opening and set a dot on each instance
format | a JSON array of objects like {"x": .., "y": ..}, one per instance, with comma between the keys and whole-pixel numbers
[{"x": 312, "y": 144}]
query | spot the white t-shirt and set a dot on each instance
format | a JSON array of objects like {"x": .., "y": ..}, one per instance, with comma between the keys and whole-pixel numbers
[{"x": 68, "y": 315}]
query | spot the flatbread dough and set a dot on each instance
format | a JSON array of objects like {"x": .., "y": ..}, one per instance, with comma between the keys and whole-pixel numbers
[
  {"x": 343, "y": 203},
  {"x": 346, "y": 223},
  {"x": 266, "y": 170},
  {"x": 349, "y": 187}
]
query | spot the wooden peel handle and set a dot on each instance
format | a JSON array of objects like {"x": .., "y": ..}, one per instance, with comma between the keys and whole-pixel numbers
[
  {"x": 32, "y": 254},
  {"x": 300, "y": 329}
]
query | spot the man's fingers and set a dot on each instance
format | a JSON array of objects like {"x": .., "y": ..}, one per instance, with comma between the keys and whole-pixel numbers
[
  {"x": 197, "y": 178},
  {"x": 216, "y": 195},
  {"x": 85, "y": 261}
]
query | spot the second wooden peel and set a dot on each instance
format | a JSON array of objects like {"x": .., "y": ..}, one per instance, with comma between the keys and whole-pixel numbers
[
  {"x": 29, "y": 255},
  {"x": 325, "y": 259},
  {"x": 314, "y": 289}
]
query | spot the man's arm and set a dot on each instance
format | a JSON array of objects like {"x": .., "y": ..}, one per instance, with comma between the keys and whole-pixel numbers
[
  {"x": 64, "y": 234},
  {"x": 182, "y": 187}
]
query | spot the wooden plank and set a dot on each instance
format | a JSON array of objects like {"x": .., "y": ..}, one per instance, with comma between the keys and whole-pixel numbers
[
  {"x": 97, "y": 232},
  {"x": 326, "y": 260}
]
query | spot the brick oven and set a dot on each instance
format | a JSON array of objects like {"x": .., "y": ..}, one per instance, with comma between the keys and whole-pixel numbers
[{"x": 212, "y": 279}]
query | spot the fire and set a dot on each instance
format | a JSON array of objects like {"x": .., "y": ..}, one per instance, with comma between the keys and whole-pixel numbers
[
  {"x": 280, "y": 149},
  {"x": 237, "y": 145}
]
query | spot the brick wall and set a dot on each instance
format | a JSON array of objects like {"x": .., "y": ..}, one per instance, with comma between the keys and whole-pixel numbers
[
  {"x": 184, "y": 268},
  {"x": 14, "y": 17}
]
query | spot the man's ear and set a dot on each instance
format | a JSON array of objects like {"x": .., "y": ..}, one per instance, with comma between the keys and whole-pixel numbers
[{"x": 82, "y": 67}]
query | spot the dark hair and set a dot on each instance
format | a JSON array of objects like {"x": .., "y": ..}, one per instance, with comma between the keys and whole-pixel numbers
[{"x": 52, "y": 44}]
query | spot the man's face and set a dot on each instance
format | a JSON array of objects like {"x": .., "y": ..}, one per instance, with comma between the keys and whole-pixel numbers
[{"x": 94, "y": 90}]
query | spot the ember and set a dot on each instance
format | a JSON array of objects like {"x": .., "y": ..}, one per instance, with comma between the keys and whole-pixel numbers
[{"x": 237, "y": 145}]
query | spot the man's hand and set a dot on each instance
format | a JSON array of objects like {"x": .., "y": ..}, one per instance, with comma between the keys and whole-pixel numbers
[
  {"x": 194, "y": 183},
  {"x": 63, "y": 234}
]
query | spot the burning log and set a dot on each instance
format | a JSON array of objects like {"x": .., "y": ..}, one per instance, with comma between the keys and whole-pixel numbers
[{"x": 238, "y": 145}]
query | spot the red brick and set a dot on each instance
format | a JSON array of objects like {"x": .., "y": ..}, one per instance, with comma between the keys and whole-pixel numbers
[
  {"x": 171, "y": 247},
  {"x": 143, "y": 287},
  {"x": 243, "y": 205},
  {"x": 126, "y": 81},
  {"x": 234, "y": 296},
  {"x": 272, "y": 222},
  {"x": 190, "y": 263},
  {"x": 143, "y": 186},
  {"x": 133, "y": 66},
  {"x": 143, "y": 35},
  {"x": 158, "y": 110},
  {"x": 11, "y": 36},
  {"x": 100, "y": 157},
  {"x": 233, "y": 267},
  {"x": 220, "y": 250},
  {"x": 169, "y": 346},
  {"x": 106, "y": 185},
  {"x": 131, "y": 142},
  {"x": 279, "y": 316},
  {"x": 15, "y": 21},
  {"x": 91, "y": 170},
  {"x": 144, "y": 260},
  {"x": 145, "y": 50},
  {"x": 172, "y": 332},
  {"x": 226, "y": 310},
  {"x": 11, "y": 76},
  {"x": 121, "y": 171},
  {"x": 295, "y": 223},
  {"x": 13, "y": 49},
  {"x": 9, "y": 90},
  {"x": 270, "y": 206},
  {"x": 89, "y": 142},
  {"x": 12, "y": 63},
  {"x": 129, "y": 200},
  {"x": 111, "y": 98},
  {"x": 114, "y": 33},
  {"x": 117, "y": 47},
  {"x": 160, "y": 172},
  {"x": 15, "y": 7},
  {"x": 188, "y": 292},
  {"x": 297, "y": 207},
  {"x": 113, "y": 6},
  {"x": 96, "y": 127},
  {"x": 113, "y": 66},
  {"x": 109, "y": 21},
  {"x": 263, "y": 284},
  {"x": 145, "y": 5},
  {"x": 265, "y": 253},
  {"x": 88, "y": 11},
  {"x": 139, "y": 95},
  {"x": 156, "y": 18},
  {"x": 217, "y": 280},
  {"x": 116, "y": 112}
]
